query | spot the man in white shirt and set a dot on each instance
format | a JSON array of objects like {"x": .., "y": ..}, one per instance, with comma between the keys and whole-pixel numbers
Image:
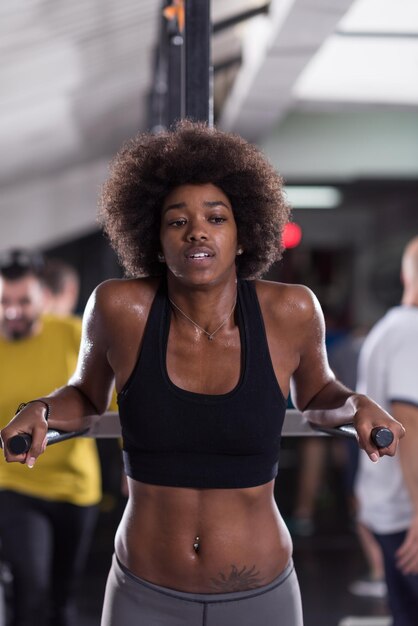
[{"x": 387, "y": 491}]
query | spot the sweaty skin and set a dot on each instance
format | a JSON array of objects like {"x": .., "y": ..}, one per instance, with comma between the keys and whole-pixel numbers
[
  {"x": 158, "y": 534},
  {"x": 200, "y": 540}
]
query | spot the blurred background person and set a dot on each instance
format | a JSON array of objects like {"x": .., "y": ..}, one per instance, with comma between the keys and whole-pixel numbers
[
  {"x": 344, "y": 358},
  {"x": 316, "y": 453},
  {"x": 387, "y": 492},
  {"x": 47, "y": 514},
  {"x": 62, "y": 287}
]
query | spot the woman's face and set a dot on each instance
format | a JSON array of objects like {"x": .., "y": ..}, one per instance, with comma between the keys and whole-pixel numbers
[{"x": 198, "y": 234}]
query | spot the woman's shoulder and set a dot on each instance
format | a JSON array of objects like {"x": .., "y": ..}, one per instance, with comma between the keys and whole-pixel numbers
[
  {"x": 120, "y": 296},
  {"x": 287, "y": 299},
  {"x": 116, "y": 291}
]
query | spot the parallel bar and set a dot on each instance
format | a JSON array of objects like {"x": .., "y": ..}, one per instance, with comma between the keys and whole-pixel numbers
[
  {"x": 108, "y": 426},
  {"x": 295, "y": 425}
]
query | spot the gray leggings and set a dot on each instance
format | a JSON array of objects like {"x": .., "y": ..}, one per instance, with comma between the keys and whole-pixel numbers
[{"x": 131, "y": 601}]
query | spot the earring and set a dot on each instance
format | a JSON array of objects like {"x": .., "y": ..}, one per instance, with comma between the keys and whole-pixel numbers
[
  {"x": 161, "y": 257},
  {"x": 239, "y": 251}
]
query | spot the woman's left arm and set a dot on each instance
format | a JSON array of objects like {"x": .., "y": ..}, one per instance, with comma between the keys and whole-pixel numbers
[{"x": 323, "y": 399}]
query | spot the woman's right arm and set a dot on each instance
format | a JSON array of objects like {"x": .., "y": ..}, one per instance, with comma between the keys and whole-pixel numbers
[{"x": 88, "y": 391}]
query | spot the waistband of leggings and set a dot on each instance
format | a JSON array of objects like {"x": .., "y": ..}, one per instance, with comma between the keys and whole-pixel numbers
[{"x": 207, "y": 597}]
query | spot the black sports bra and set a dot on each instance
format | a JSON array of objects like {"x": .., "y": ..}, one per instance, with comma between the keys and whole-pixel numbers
[{"x": 180, "y": 438}]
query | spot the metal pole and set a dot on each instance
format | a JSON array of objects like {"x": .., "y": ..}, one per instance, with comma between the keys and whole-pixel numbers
[
  {"x": 176, "y": 88},
  {"x": 198, "y": 73},
  {"x": 167, "y": 98}
]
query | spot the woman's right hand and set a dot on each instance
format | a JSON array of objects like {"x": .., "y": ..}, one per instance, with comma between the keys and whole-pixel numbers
[{"x": 30, "y": 420}]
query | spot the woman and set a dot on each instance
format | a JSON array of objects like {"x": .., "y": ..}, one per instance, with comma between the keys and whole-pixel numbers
[{"x": 202, "y": 359}]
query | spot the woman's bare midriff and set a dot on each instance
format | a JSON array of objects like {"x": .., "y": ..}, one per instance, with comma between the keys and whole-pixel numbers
[{"x": 203, "y": 540}]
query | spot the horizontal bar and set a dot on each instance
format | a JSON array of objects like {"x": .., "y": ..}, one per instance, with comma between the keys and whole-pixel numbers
[{"x": 295, "y": 425}]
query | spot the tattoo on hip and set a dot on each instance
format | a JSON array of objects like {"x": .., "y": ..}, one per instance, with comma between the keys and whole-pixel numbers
[{"x": 238, "y": 579}]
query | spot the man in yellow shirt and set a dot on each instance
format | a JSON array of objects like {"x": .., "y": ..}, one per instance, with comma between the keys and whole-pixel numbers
[
  {"x": 48, "y": 513},
  {"x": 62, "y": 285}
]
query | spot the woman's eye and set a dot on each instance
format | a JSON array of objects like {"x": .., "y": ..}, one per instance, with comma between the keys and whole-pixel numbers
[
  {"x": 218, "y": 219},
  {"x": 179, "y": 222}
]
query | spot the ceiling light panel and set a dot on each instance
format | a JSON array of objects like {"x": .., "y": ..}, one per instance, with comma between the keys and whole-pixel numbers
[
  {"x": 378, "y": 16},
  {"x": 362, "y": 70}
]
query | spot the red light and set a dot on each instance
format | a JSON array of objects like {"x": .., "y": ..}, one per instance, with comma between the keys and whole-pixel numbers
[{"x": 292, "y": 235}]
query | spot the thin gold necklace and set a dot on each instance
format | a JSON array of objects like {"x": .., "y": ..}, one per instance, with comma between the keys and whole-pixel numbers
[{"x": 211, "y": 335}]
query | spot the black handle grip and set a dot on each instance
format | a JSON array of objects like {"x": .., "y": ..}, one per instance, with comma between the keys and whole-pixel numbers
[
  {"x": 381, "y": 436},
  {"x": 19, "y": 444}
]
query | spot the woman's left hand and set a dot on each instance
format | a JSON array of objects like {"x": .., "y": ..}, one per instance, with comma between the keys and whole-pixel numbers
[{"x": 370, "y": 415}]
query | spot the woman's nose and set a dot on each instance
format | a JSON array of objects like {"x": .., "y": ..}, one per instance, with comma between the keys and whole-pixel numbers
[{"x": 196, "y": 231}]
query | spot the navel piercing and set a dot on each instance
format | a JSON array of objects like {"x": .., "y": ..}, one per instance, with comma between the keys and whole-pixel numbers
[{"x": 196, "y": 544}]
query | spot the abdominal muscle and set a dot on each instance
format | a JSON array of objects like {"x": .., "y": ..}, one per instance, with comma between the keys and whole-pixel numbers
[{"x": 203, "y": 540}]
